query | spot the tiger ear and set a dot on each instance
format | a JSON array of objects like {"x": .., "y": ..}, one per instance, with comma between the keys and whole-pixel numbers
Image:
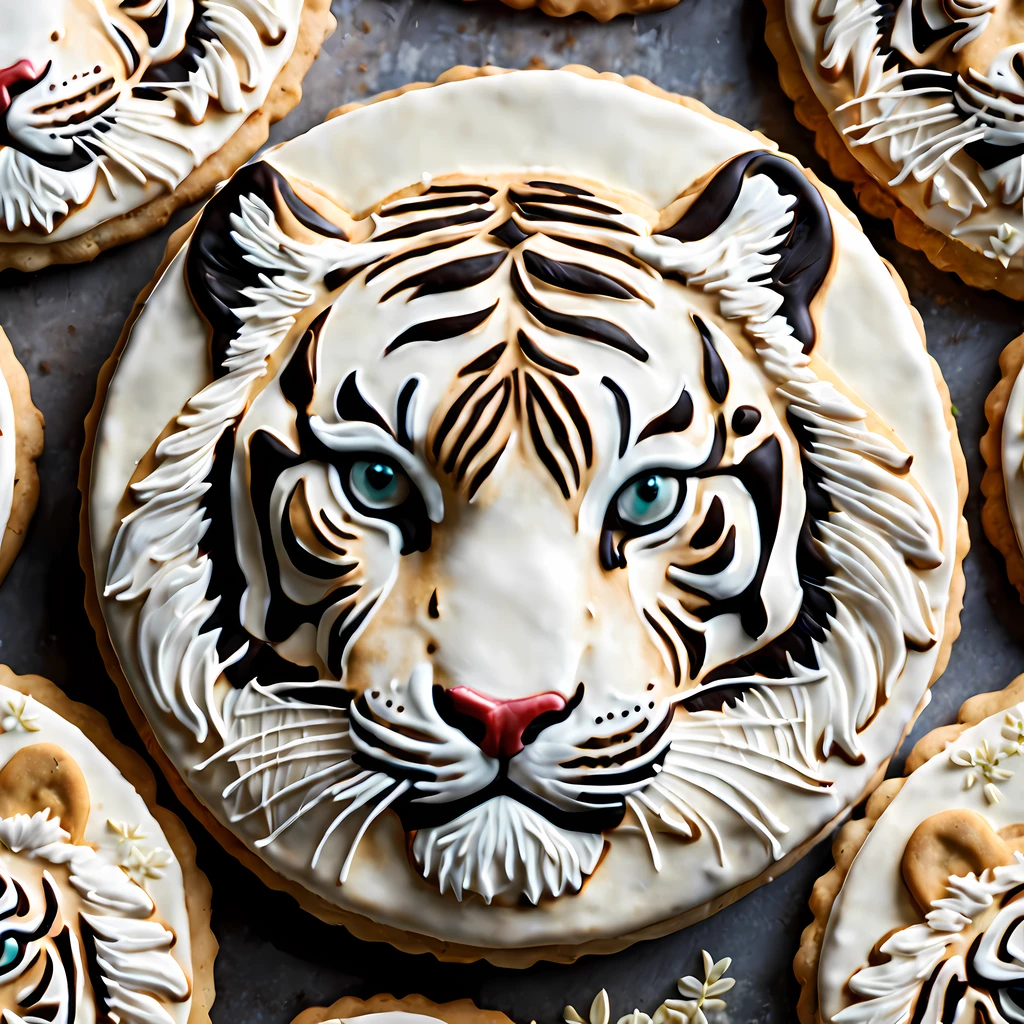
[
  {"x": 46, "y": 777},
  {"x": 955, "y": 842},
  {"x": 760, "y": 234}
]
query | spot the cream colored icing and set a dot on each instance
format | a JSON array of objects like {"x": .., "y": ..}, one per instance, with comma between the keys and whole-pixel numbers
[
  {"x": 141, "y": 145},
  {"x": 981, "y": 772},
  {"x": 691, "y": 835},
  {"x": 121, "y": 880},
  {"x": 920, "y": 136},
  {"x": 1013, "y": 457},
  {"x": 390, "y": 1017},
  {"x": 8, "y": 453}
]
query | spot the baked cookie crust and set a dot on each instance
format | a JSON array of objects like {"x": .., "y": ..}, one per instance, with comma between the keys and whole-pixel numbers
[
  {"x": 198, "y": 893},
  {"x": 360, "y": 926},
  {"x": 602, "y": 10},
  {"x": 854, "y": 834},
  {"x": 943, "y": 251},
  {"x": 461, "y": 1011},
  {"x": 316, "y": 24},
  {"x": 29, "y": 440},
  {"x": 995, "y": 514}
]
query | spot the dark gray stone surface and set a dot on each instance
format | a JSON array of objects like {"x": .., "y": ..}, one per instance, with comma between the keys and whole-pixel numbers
[{"x": 63, "y": 322}]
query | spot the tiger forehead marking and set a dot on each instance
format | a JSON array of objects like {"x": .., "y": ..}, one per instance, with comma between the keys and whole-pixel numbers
[{"x": 544, "y": 507}]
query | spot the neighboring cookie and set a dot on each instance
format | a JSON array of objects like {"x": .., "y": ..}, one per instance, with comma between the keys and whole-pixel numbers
[
  {"x": 389, "y": 1010},
  {"x": 1002, "y": 448},
  {"x": 603, "y": 10},
  {"x": 921, "y": 106},
  {"x": 921, "y": 918},
  {"x": 115, "y": 114},
  {"x": 104, "y": 915},
  {"x": 21, "y": 443},
  {"x": 490, "y": 588}
]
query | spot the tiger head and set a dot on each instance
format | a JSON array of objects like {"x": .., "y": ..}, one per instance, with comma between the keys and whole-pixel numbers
[
  {"x": 515, "y": 514},
  {"x": 87, "y": 85},
  {"x": 79, "y": 938}
]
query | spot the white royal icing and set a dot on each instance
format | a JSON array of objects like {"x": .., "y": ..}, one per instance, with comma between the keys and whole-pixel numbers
[
  {"x": 964, "y": 959},
  {"x": 102, "y": 925},
  {"x": 8, "y": 453},
  {"x": 927, "y": 94},
  {"x": 1013, "y": 457},
  {"x": 629, "y": 784},
  {"x": 105, "y": 105}
]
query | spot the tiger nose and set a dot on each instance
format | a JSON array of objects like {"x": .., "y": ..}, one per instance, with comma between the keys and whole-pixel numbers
[
  {"x": 21, "y": 71},
  {"x": 503, "y": 721}
]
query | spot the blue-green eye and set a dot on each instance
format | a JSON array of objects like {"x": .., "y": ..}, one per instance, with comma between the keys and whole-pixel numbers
[
  {"x": 10, "y": 952},
  {"x": 648, "y": 499},
  {"x": 379, "y": 484}
]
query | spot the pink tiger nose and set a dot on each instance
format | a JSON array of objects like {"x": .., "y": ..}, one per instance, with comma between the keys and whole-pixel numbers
[
  {"x": 23, "y": 71},
  {"x": 504, "y": 721}
]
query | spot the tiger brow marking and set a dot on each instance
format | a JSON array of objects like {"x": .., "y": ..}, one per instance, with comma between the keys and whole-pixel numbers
[
  {"x": 352, "y": 406},
  {"x": 574, "y": 199},
  {"x": 437, "y": 202},
  {"x": 590, "y": 327},
  {"x": 598, "y": 249},
  {"x": 485, "y": 189},
  {"x": 546, "y": 455},
  {"x": 674, "y": 421},
  {"x": 404, "y": 401},
  {"x": 509, "y": 233},
  {"x": 424, "y": 227},
  {"x": 716, "y": 376},
  {"x": 572, "y": 277},
  {"x": 410, "y": 254},
  {"x": 536, "y": 355},
  {"x": 556, "y": 186},
  {"x": 487, "y": 433},
  {"x": 485, "y": 361},
  {"x": 471, "y": 423},
  {"x": 485, "y": 472},
  {"x": 441, "y": 329},
  {"x": 536, "y": 211},
  {"x": 452, "y": 415},
  {"x": 449, "y": 277},
  {"x": 535, "y": 395},
  {"x": 622, "y": 407},
  {"x": 576, "y": 415}
]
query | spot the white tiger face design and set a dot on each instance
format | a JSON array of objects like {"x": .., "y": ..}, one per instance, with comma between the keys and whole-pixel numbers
[
  {"x": 86, "y": 85},
  {"x": 512, "y": 517}
]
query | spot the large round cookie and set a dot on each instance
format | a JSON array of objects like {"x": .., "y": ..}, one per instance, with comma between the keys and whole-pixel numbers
[
  {"x": 104, "y": 915},
  {"x": 21, "y": 443},
  {"x": 385, "y": 1009},
  {"x": 541, "y": 547},
  {"x": 115, "y": 114},
  {"x": 921, "y": 918},
  {"x": 920, "y": 104}
]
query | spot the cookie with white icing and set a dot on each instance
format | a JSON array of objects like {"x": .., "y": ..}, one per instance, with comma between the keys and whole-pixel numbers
[
  {"x": 385, "y": 1009},
  {"x": 603, "y": 10},
  {"x": 115, "y": 114},
  {"x": 21, "y": 443},
  {"x": 1002, "y": 448},
  {"x": 103, "y": 912},
  {"x": 921, "y": 918},
  {"x": 919, "y": 104},
  {"x": 515, "y": 550}
]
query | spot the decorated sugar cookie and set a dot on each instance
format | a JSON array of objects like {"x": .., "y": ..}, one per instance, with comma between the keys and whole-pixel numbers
[
  {"x": 389, "y": 1010},
  {"x": 104, "y": 915},
  {"x": 21, "y": 443},
  {"x": 919, "y": 104},
  {"x": 922, "y": 919},
  {"x": 114, "y": 114},
  {"x": 1002, "y": 447},
  {"x": 516, "y": 549},
  {"x": 603, "y": 10}
]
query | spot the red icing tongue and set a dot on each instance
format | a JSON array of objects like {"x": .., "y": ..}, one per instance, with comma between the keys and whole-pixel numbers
[
  {"x": 504, "y": 721},
  {"x": 23, "y": 71}
]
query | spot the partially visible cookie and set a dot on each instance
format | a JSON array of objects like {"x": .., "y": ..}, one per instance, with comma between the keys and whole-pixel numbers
[
  {"x": 113, "y": 115},
  {"x": 1002, "y": 448},
  {"x": 920, "y": 919},
  {"x": 104, "y": 915},
  {"x": 919, "y": 105},
  {"x": 387, "y": 1009},
  {"x": 603, "y": 10},
  {"x": 21, "y": 443}
]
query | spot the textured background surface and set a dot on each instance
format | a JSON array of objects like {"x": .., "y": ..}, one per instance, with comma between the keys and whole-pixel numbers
[{"x": 63, "y": 322}]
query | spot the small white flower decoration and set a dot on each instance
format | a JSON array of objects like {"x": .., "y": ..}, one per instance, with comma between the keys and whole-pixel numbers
[
  {"x": 20, "y": 717},
  {"x": 702, "y": 997},
  {"x": 135, "y": 860},
  {"x": 984, "y": 763},
  {"x": 1013, "y": 730}
]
